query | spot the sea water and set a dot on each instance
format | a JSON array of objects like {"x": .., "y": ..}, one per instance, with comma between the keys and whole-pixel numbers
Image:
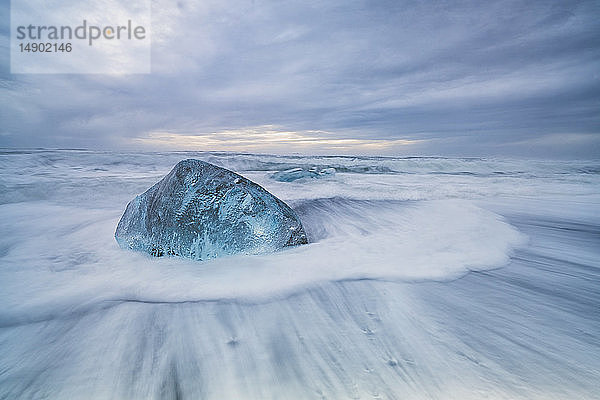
[{"x": 424, "y": 278}]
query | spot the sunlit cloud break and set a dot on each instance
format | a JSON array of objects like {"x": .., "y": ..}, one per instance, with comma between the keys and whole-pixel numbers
[{"x": 271, "y": 138}]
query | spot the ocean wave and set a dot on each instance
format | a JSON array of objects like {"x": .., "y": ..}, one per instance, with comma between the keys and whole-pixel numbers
[{"x": 371, "y": 308}]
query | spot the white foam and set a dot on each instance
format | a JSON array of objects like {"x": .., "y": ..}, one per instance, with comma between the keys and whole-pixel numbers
[{"x": 62, "y": 258}]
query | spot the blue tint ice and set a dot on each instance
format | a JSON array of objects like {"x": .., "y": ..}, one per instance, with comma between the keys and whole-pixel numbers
[
  {"x": 202, "y": 211},
  {"x": 301, "y": 173}
]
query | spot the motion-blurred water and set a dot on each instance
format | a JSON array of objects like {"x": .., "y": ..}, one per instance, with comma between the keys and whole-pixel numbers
[{"x": 425, "y": 278}]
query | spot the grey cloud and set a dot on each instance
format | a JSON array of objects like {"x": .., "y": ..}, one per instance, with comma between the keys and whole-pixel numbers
[{"x": 468, "y": 77}]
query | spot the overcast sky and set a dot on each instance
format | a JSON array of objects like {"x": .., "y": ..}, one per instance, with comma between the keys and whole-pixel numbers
[{"x": 480, "y": 78}]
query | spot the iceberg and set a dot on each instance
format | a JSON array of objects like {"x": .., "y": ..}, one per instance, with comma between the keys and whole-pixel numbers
[
  {"x": 293, "y": 174},
  {"x": 201, "y": 211}
]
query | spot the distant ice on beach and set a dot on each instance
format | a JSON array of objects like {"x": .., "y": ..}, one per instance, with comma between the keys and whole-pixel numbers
[{"x": 294, "y": 174}]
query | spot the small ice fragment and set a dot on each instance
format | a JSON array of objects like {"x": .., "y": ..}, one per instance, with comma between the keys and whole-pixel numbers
[{"x": 293, "y": 174}]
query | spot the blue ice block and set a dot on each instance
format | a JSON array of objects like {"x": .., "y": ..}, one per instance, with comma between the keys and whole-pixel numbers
[{"x": 202, "y": 211}]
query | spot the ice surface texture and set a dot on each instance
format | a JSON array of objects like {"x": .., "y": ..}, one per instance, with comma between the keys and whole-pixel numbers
[{"x": 202, "y": 211}]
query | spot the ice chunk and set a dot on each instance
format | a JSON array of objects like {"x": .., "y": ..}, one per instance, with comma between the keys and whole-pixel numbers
[
  {"x": 300, "y": 173},
  {"x": 202, "y": 211}
]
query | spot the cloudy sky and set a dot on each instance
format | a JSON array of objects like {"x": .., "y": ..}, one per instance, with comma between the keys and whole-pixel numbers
[{"x": 457, "y": 78}]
